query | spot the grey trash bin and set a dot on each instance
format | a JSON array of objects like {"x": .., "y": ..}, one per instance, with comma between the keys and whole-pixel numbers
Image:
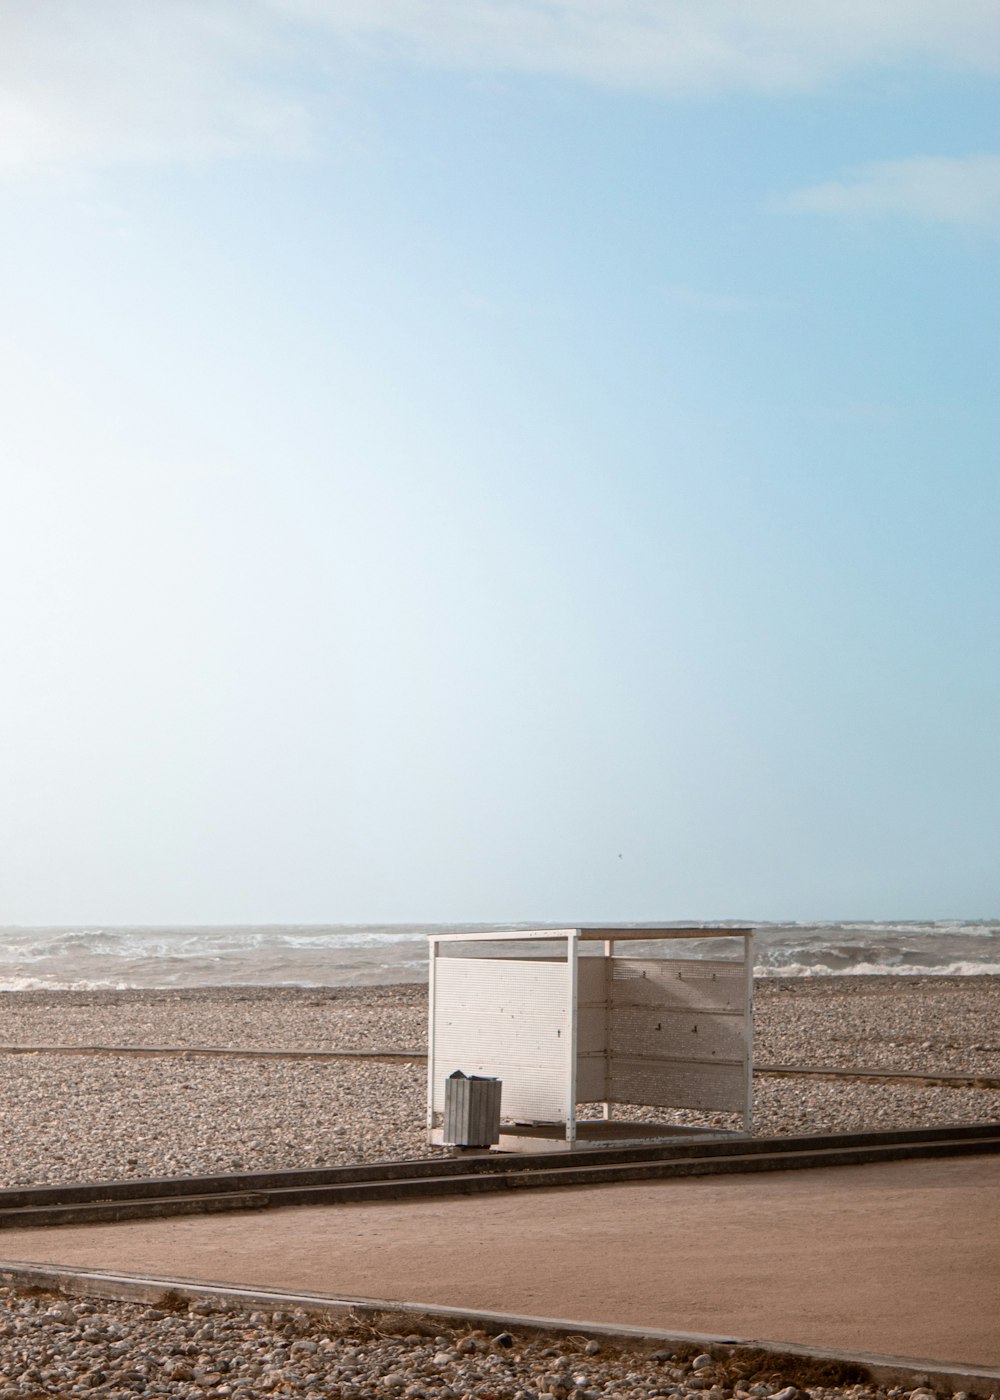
[{"x": 471, "y": 1110}]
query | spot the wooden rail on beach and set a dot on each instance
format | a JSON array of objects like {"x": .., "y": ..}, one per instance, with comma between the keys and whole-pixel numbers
[{"x": 928, "y": 1078}]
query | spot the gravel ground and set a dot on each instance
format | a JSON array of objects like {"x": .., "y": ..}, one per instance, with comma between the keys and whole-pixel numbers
[
  {"x": 52, "y": 1347},
  {"x": 946, "y": 1024},
  {"x": 320, "y": 1018},
  {"x": 107, "y": 1117},
  {"x": 71, "y": 1118},
  {"x": 921, "y": 1024}
]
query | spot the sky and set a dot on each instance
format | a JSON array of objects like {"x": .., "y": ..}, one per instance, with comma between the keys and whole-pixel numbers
[{"x": 499, "y": 459}]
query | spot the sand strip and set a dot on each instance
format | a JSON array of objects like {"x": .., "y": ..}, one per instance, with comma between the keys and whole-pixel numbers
[{"x": 827, "y": 1258}]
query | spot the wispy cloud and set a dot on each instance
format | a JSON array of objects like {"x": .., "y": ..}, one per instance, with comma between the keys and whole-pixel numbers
[
  {"x": 674, "y": 46},
  {"x": 481, "y": 305},
  {"x": 105, "y": 81},
  {"x": 962, "y": 190},
  {"x": 112, "y": 81},
  {"x": 719, "y": 303}
]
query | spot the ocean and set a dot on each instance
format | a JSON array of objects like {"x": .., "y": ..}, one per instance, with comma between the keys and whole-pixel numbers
[{"x": 313, "y": 955}]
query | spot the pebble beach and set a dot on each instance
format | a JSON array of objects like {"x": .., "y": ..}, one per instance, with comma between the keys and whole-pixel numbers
[
  {"x": 102, "y": 1116},
  {"x": 105, "y": 1115},
  {"x": 51, "y": 1346}
]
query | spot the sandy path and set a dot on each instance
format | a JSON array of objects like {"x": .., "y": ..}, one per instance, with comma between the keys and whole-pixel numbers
[{"x": 897, "y": 1258}]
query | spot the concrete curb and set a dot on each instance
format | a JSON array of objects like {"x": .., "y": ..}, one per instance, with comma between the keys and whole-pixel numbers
[
  {"x": 906, "y": 1371},
  {"x": 85, "y": 1203}
]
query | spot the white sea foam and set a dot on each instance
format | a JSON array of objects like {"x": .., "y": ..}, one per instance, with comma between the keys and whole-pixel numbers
[
  {"x": 318, "y": 955},
  {"x": 871, "y": 969},
  {"x": 45, "y": 984}
]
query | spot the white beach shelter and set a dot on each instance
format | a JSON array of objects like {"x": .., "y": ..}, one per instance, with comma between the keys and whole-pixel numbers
[{"x": 566, "y": 1020}]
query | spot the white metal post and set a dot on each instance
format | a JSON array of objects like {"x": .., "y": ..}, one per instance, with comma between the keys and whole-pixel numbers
[
  {"x": 432, "y": 1009},
  {"x": 748, "y": 1022},
  {"x": 609, "y": 952},
  {"x": 572, "y": 954}
]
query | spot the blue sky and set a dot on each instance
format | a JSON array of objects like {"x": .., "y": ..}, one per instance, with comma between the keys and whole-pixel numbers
[{"x": 498, "y": 460}]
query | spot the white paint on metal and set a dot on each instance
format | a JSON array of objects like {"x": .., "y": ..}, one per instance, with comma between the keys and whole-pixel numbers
[
  {"x": 572, "y": 994},
  {"x": 607, "y": 1106},
  {"x": 500, "y": 936},
  {"x": 748, "y": 1034},
  {"x": 431, "y": 1040}
]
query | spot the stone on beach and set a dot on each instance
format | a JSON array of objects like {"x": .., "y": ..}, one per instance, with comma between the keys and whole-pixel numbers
[
  {"x": 69, "y": 1118},
  {"x": 105, "y": 1117},
  {"x": 49, "y": 1346}
]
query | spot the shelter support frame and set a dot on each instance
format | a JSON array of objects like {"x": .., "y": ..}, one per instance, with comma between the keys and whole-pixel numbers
[{"x": 551, "y": 1033}]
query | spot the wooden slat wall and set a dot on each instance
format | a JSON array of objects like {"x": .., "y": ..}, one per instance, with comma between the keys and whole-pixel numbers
[{"x": 678, "y": 1034}]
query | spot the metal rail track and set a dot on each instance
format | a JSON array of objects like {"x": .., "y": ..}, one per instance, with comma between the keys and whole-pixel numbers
[{"x": 465, "y": 1175}]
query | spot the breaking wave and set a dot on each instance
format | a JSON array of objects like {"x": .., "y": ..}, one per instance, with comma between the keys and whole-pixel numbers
[{"x": 93, "y": 957}]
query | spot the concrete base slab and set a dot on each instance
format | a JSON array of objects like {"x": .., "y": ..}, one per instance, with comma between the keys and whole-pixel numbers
[
  {"x": 593, "y": 1132},
  {"x": 899, "y": 1258}
]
